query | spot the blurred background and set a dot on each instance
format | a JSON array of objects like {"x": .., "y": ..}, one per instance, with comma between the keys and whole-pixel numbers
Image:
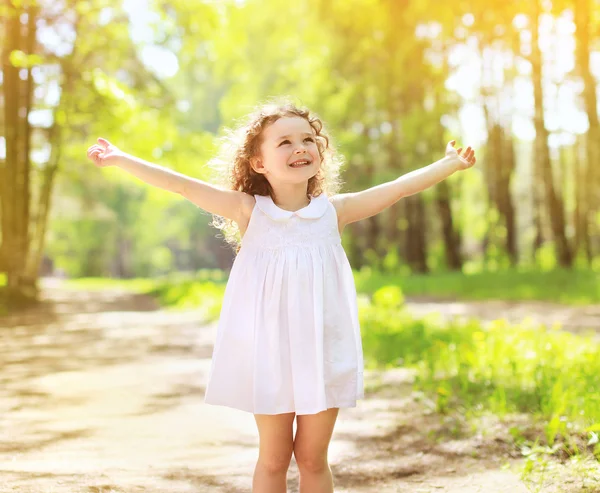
[
  {"x": 393, "y": 81},
  {"x": 514, "y": 240}
]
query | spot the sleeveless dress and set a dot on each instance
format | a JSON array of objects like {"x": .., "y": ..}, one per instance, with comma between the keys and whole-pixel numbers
[{"x": 288, "y": 338}]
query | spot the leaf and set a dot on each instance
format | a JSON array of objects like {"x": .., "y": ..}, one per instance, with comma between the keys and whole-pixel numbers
[{"x": 21, "y": 59}]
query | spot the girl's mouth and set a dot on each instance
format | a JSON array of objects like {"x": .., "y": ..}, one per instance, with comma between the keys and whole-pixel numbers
[{"x": 300, "y": 164}]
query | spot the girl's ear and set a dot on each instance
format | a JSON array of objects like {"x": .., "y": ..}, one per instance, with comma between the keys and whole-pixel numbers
[{"x": 256, "y": 165}]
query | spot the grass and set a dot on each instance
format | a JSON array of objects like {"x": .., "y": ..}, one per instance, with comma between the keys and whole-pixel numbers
[
  {"x": 203, "y": 294},
  {"x": 573, "y": 287},
  {"x": 549, "y": 374},
  {"x": 146, "y": 285}
]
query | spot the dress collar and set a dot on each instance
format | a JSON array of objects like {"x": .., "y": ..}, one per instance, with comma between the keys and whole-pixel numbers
[{"x": 314, "y": 210}]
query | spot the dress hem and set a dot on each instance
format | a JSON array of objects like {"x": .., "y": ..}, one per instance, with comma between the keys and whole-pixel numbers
[{"x": 342, "y": 405}]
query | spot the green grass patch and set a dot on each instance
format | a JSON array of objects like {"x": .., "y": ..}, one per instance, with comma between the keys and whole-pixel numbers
[
  {"x": 206, "y": 295},
  {"x": 575, "y": 287},
  {"x": 144, "y": 285},
  {"x": 2, "y": 279},
  {"x": 549, "y": 374}
]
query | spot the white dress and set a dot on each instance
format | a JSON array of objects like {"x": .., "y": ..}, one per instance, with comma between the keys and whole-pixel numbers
[{"x": 288, "y": 338}]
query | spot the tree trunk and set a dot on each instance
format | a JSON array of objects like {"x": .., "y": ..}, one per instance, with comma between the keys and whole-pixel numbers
[
  {"x": 373, "y": 229},
  {"x": 590, "y": 192},
  {"x": 420, "y": 237},
  {"x": 454, "y": 261},
  {"x": 582, "y": 237},
  {"x": 355, "y": 249},
  {"x": 29, "y": 274},
  {"x": 16, "y": 192},
  {"x": 44, "y": 205},
  {"x": 502, "y": 163},
  {"x": 415, "y": 240},
  {"x": 452, "y": 238},
  {"x": 542, "y": 154}
]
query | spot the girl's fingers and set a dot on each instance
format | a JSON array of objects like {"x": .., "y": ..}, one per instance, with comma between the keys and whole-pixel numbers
[
  {"x": 103, "y": 142},
  {"x": 95, "y": 155}
]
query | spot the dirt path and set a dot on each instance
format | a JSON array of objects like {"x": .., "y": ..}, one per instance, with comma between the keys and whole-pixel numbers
[{"x": 102, "y": 393}]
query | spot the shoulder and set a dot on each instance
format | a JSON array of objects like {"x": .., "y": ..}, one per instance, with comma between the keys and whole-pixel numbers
[
  {"x": 338, "y": 202},
  {"x": 247, "y": 203}
]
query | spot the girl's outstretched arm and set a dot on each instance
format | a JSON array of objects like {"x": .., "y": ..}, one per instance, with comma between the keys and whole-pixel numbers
[
  {"x": 227, "y": 203},
  {"x": 355, "y": 206}
]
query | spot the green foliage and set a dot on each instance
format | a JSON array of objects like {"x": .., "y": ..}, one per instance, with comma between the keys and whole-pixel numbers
[
  {"x": 20, "y": 59},
  {"x": 200, "y": 295},
  {"x": 576, "y": 287},
  {"x": 389, "y": 297},
  {"x": 75, "y": 247},
  {"x": 503, "y": 368}
]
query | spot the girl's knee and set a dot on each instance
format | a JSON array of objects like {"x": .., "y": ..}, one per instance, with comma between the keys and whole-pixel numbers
[
  {"x": 275, "y": 463},
  {"x": 311, "y": 463}
]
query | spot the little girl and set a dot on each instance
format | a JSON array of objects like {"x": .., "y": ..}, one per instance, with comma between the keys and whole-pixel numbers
[{"x": 288, "y": 342}]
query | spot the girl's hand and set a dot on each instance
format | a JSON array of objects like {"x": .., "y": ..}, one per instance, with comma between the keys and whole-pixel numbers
[
  {"x": 464, "y": 160},
  {"x": 104, "y": 153}
]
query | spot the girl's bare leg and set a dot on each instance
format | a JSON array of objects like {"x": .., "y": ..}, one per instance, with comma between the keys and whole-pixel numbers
[
  {"x": 276, "y": 443},
  {"x": 311, "y": 445}
]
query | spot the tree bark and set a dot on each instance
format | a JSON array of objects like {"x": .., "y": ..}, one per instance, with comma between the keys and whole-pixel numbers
[
  {"x": 542, "y": 155},
  {"x": 40, "y": 223},
  {"x": 501, "y": 164},
  {"x": 15, "y": 197},
  {"x": 590, "y": 194},
  {"x": 452, "y": 240}
]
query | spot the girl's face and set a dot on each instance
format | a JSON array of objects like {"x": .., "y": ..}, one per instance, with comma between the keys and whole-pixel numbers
[{"x": 288, "y": 152}]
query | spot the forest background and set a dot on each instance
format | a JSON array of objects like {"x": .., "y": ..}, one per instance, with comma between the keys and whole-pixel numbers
[{"x": 162, "y": 80}]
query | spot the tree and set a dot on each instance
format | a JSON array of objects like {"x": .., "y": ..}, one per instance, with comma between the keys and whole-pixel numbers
[
  {"x": 18, "y": 61},
  {"x": 542, "y": 154}
]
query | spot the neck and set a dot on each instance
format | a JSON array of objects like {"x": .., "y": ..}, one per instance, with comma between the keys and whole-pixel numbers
[{"x": 291, "y": 197}]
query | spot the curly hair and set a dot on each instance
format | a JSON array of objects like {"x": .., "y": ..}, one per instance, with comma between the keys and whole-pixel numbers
[{"x": 240, "y": 145}]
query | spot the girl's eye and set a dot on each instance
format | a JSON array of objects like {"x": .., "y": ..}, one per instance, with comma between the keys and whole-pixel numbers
[{"x": 288, "y": 142}]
